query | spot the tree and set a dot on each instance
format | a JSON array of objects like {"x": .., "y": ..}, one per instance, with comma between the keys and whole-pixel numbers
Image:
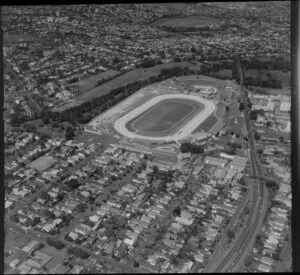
[
  {"x": 227, "y": 108},
  {"x": 136, "y": 264},
  {"x": 48, "y": 214},
  {"x": 177, "y": 211},
  {"x": 271, "y": 183},
  {"x": 246, "y": 210},
  {"x": 55, "y": 243},
  {"x": 15, "y": 218},
  {"x": 241, "y": 106},
  {"x": 188, "y": 147},
  {"x": 259, "y": 151},
  {"x": 155, "y": 169},
  {"x": 72, "y": 184},
  {"x": 44, "y": 137},
  {"x": 45, "y": 196},
  {"x": 77, "y": 252},
  {"x": 230, "y": 234},
  {"x": 257, "y": 136},
  {"x": 81, "y": 207},
  {"x": 248, "y": 261}
]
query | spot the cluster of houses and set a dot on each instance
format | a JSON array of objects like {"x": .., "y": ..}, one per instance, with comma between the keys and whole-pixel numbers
[
  {"x": 276, "y": 110},
  {"x": 139, "y": 208},
  {"x": 276, "y": 228},
  {"x": 77, "y": 54},
  {"x": 33, "y": 259}
]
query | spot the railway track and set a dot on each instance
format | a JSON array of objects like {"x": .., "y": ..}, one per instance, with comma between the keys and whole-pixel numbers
[{"x": 256, "y": 215}]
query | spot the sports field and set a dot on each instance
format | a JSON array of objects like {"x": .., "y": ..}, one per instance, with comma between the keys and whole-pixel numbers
[
  {"x": 165, "y": 117},
  {"x": 42, "y": 163}
]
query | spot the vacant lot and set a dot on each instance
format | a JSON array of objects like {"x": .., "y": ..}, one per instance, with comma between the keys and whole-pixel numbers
[
  {"x": 42, "y": 163},
  {"x": 187, "y": 21},
  {"x": 14, "y": 240},
  {"x": 165, "y": 116},
  {"x": 127, "y": 78}
]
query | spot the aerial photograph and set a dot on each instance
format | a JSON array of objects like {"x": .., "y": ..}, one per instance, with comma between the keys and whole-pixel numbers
[{"x": 147, "y": 138}]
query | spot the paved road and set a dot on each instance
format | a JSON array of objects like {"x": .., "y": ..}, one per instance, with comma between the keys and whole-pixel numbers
[{"x": 256, "y": 215}]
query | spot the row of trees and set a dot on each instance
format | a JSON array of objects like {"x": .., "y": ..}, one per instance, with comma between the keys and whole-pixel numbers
[
  {"x": 257, "y": 81},
  {"x": 277, "y": 63},
  {"x": 193, "y": 148}
]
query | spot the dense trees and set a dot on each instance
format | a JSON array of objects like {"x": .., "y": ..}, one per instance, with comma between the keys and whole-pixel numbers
[
  {"x": 241, "y": 106},
  {"x": 70, "y": 133},
  {"x": 257, "y": 136},
  {"x": 55, "y": 243},
  {"x": 254, "y": 114},
  {"x": 230, "y": 234},
  {"x": 71, "y": 184},
  {"x": 177, "y": 211},
  {"x": 188, "y": 147},
  {"x": 78, "y": 252}
]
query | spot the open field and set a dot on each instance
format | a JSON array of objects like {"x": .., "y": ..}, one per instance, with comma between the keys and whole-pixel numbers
[
  {"x": 14, "y": 240},
  {"x": 127, "y": 78},
  {"x": 187, "y": 21},
  {"x": 206, "y": 124},
  {"x": 92, "y": 81},
  {"x": 165, "y": 117},
  {"x": 182, "y": 132},
  {"x": 203, "y": 81},
  {"x": 14, "y": 38},
  {"x": 42, "y": 163},
  {"x": 285, "y": 91}
]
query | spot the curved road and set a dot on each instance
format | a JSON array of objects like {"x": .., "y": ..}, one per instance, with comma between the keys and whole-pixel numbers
[{"x": 185, "y": 131}]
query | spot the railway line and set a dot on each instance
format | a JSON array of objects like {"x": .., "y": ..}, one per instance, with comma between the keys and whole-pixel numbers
[{"x": 256, "y": 215}]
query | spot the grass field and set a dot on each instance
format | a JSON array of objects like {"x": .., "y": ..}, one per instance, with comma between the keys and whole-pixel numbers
[
  {"x": 127, "y": 78},
  {"x": 92, "y": 81},
  {"x": 42, "y": 163},
  {"x": 162, "y": 116},
  {"x": 187, "y": 21},
  {"x": 13, "y": 240},
  {"x": 206, "y": 124}
]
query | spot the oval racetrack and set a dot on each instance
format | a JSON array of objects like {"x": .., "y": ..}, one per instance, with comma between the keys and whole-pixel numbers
[{"x": 184, "y": 131}]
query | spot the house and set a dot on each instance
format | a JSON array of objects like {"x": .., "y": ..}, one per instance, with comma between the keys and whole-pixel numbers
[
  {"x": 32, "y": 246},
  {"x": 129, "y": 242},
  {"x": 185, "y": 218},
  {"x": 267, "y": 261},
  {"x": 186, "y": 267},
  {"x": 264, "y": 268},
  {"x": 199, "y": 257},
  {"x": 14, "y": 263},
  {"x": 73, "y": 236},
  {"x": 215, "y": 161},
  {"x": 24, "y": 268},
  {"x": 77, "y": 269}
]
